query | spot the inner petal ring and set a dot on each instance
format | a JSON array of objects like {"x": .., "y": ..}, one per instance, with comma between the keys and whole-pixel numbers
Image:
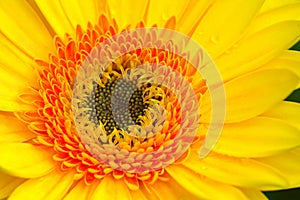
[{"x": 99, "y": 67}]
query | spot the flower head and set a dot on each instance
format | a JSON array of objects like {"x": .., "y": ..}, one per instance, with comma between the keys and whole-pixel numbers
[{"x": 125, "y": 101}]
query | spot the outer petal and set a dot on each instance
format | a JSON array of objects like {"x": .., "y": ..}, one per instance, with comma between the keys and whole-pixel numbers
[
  {"x": 257, "y": 137},
  {"x": 169, "y": 189},
  {"x": 236, "y": 171},
  {"x": 273, "y": 4},
  {"x": 56, "y": 17},
  {"x": 288, "y": 60},
  {"x": 125, "y": 13},
  {"x": 253, "y": 51},
  {"x": 286, "y": 111},
  {"x": 280, "y": 14},
  {"x": 109, "y": 188},
  {"x": 159, "y": 12},
  {"x": 79, "y": 192},
  {"x": 202, "y": 187},
  {"x": 12, "y": 105},
  {"x": 138, "y": 195},
  {"x": 25, "y": 160},
  {"x": 12, "y": 130},
  {"x": 28, "y": 32},
  {"x": 16, "y": 74},
  {"x": 253, "y": 94},
  {"x": 15, "y": 62},
  {"x": 224, "y": 24},
  {"x": 8, "y": 184},
  {"x": 81, "y": 12},
  {"x": 254, "y": 194},
  {"x": 50, "y": 187},
  {"x": 288, "y": 163},
  {"x": 193, "y": 13}
]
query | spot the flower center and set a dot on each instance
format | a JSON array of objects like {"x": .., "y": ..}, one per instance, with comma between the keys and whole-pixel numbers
[{"x": 103, "y": 97}]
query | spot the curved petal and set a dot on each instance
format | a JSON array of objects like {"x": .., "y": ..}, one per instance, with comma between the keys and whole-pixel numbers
[
  {"x": 287, "y": 60},
  {"x": 125, "y": 13},
  {"x": 107, "y": 189},
  {"x": 224, "y": 23},
  {"x": 12, "y": 105},
  {"x": 288, "y": 164},
  {"x": 169, "y": 189},
  {"x": 28, "y": 32},
  {"x": 81, "y": 12},
  {"x": 257, "y": 137},
  {"x": 203, "y": 187},
  {"x": 79, "y": 192},
  {"x": 254, "y": 194},
  {"x": 286, "y": 111},
  {"x": 273, "y": 4},
  {"x": 283, "y": 13},
  {"x": 13, "y": 130},
  {"x": 138, "y": 195},
  {"x": 166, "y": 10},
  {"x": 56, "y": 17},
  {"x": 16, "y": 136},
  {"x": 16, "y": 75},
  {"x": 15, "y": 62},
  {"x": 8, "y": 184},
  {"x": 11, "y": 87},
  {"x": 236, "y": 171},
  {"x": 258, "y": 49},
  {"x": 53, "y": 186},
  {"x": 252, "y": 94},
  {"x": 188, "y": 22},
  {"x": 25, "y": 160}
]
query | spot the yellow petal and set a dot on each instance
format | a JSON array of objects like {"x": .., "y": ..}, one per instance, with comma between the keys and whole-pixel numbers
[
  {"x": 236, "y": 171},
  {"x": 53, "y": 186},
  {"x": 81, "y": 12},
  {"x": 8, "y": 184},
  {"x": 79, "y": 192},
  {"x": 257, "y": 137},
  {"x": 127, "y": 12},
  {"x": 203, "y": 187},
  {"x": 56, "y": 16},
  {"x": 16, "y": 74},
  {"x": 160, "y": 11},
  {"x": 109, "y": 188},
  {"x": 286, "y": 111},
  {"x": 12, "y": 105},
  {"x": 169, "y": 189},
  {"x": 14, "y": 62},
  {"x": 253, "y": 94},
  {"x": 25, "y": 160},
  {"x": 138, "y": 195},
  {"x": 11, "y": 86},
  {"x": 24, "y": 28},
  {"x": 193, "y": 13},
  {"x": 224, "y": 23},
  {"x": 273, "y": 4},
  {"x": 13, "y": 130},
  {"x": 287, "y": 60},
  {"x": 288, "y": 164},
  {"x": 10, "y": 123},
  {"x": 254, "y": 194},
  {"x": 283, "y": 13},
  {"x": 254, "y": 51}
]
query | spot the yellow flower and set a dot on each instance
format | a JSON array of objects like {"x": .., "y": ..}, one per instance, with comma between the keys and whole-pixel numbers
[{"x": 42, "y": 155}]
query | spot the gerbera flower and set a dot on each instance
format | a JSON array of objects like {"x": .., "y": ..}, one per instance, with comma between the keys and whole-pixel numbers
[{"x": 46, "y": 43}]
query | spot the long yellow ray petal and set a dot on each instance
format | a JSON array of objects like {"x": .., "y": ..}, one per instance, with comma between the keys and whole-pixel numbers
[
  {"x": 252, "y": 94},
  {"x": 257, "y": 137},
  {"x": 25, "y": 160}
]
